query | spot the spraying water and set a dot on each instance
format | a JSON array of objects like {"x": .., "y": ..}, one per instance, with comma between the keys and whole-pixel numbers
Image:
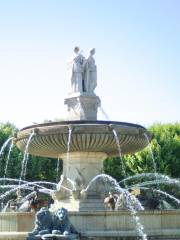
[
  {"x": 4, "y": 146},
  {"x": 151, "y": 152},
  {"x": 7, "y": 161},
  {"x": 131, "y": 202},
  {"x": 57, "y": 170},
  {"x": 25, "y": 158},
  {"x": 104, "y": 114},
  {"x": 68, "y": 145},
  {"x": 119, "y": 149}
]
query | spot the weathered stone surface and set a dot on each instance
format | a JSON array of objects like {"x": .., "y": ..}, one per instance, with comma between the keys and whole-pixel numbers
[
  {"x": 109, "y": 225},
  {"x": 51, "y": 139},
  {"x": 82, "y": 107}
]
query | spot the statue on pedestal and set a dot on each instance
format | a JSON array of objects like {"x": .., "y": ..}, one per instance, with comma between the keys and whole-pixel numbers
[
  {"x": 83, "y": 72},
  {"x": 90, "y": 73},
  {"x": 76, "y": 67}
]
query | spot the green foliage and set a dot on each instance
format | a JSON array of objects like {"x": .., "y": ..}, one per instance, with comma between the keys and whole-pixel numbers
[
  {"x": 165, "y": 147},
  {"x": 38, "y": 168}
]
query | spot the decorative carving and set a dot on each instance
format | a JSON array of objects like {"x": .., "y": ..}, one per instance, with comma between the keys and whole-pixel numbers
[
  {"x": 52, "y": 226},
  {"x": 83, "y": 72}
]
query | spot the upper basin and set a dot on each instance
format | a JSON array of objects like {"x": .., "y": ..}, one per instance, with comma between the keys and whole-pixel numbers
[{"x": 51, "y": 139}]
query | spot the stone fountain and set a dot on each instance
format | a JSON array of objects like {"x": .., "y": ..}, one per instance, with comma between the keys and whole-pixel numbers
[{"x": 83, "y": 142}]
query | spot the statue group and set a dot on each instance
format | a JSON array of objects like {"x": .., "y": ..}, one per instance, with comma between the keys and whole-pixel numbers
[{"x": 83, "y": 72}]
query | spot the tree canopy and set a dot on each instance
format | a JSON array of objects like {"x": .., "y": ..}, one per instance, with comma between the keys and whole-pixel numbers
[{"x": 162, "y": 156}]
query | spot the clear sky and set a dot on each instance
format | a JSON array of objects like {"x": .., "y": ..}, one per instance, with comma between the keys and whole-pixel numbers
[{"x": 137, "y": 54}]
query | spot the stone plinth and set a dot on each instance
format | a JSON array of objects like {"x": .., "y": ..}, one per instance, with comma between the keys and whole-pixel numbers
[
  {"x": 103, "y": 224},
  {"x": 16, "y": 222},
  {"x": 82, "y": 106},
  {"x": 82, "y": 167}
]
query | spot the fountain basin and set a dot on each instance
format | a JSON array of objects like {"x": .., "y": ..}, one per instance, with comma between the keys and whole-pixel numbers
[
  {"x": 102, "y": 225},
  {"x": 51, "y": 139}
]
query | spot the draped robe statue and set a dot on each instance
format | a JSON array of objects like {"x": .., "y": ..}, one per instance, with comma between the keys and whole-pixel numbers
[
  {"x": 90, "y": 73},
  {"x": 76, "y": 66},
  {"x": 83, "y": 72}
]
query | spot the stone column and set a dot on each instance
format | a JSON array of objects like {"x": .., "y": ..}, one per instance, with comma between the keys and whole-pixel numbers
[{"x": 82, "y": 167}]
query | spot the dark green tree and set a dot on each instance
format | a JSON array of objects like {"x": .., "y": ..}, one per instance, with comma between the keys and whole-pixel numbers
[{"x": 165, "y": 147}]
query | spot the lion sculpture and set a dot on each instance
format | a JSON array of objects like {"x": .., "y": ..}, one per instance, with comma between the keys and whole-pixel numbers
[
  {"x": 43, "y": 224},
  {"x": 52, "y": 226},
  {"x": 61, "y": 223}
]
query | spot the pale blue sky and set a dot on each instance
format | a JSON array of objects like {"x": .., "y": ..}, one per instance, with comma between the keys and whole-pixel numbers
[{"x": 137, "y": 54}]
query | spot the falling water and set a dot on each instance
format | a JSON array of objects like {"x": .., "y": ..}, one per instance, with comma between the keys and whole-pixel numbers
[
  {"x": 25, "y": 167},
  {"x": 68, "y": 145},
  {"x": 119, "y": 149},
  {"x": 118, "y": 189},
  {"x": 23, "y": 181},
  {"x": 25, "y": 158},
  {"x": 26, "y": 186},
  {"x": 104, "y": 114},
  {"x": 151, "y": 152},
  {"x": 4, "y": 146},
  {"x": 145, "y": 175},
  {"x": 57, "y": 170},
  {"x": 80, "y": 108},
  {"x": 106, "y": 179},
  {"x": 167, "y": 195},
  {"x": 7, "y": 161}
]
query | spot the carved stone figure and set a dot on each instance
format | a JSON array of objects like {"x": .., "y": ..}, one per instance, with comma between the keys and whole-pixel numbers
[
  {"x": 52, "y": 226},
  {"x": 64, "y": 188},
  {"x": 76, "y": 68},
  {"x": 61, "y": 223},
  {"x": 110, "y": 201},
  {"x": 43, "y": 224},
  {"x": 90, "y": 73}
]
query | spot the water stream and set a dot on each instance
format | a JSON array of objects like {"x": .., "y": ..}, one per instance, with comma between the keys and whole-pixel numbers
[
  {"x": 120, "y": 152},
  {"x": 4, "y": 146},
  {"x": 25, "y": 158},
  {"x": 57, "y": 170},
  {"x": 132, "y": 203},
  {"x": 7, "y": 160},
  {"x": 151, "y": 152},
  {"x": 104, "y": 113},
  {"x": 68, "y": 147}
]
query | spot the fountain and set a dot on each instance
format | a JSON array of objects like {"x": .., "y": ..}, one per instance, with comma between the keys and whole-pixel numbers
[{"x": 83, "y": 142}]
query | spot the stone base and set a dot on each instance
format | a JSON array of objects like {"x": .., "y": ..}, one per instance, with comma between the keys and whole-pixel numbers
[
  {"x": 59, "y": 237},
  {"x": 13, "y": 235},
  {"x": 82, "y": 106},
  {"x": 101, "y": 225},
  {"x": 79, "y": 205}
]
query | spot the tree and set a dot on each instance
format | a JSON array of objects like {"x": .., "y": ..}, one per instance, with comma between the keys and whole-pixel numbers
[{"x": 165, "y": 147}]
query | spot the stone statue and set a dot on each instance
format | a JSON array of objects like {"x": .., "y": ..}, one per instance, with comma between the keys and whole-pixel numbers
[
  {"x": 43, "y": 224},
  {"x": 90, "y": 73},
  {"x": 53, "y": 226},
  {"x": 64, "y": 189},
  {"x": 61, "y": 223},
  {"x": 110, "y": 201},
  {"x": 76, "y": 67}
]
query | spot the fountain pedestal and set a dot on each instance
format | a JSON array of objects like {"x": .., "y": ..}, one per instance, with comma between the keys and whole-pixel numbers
[
  {"x": 82, "y": 167},
  {"x": 79, "y": 168},
  {"x": 82, "y": 106}
]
